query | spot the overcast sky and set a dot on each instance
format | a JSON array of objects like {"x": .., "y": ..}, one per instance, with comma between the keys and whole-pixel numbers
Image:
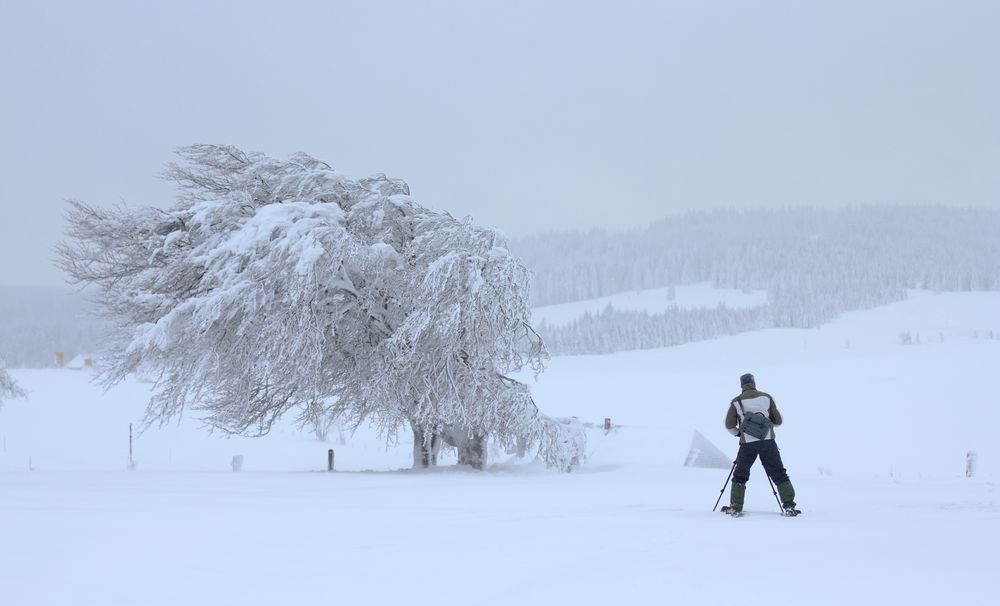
[{"x": 530, "y": 116}]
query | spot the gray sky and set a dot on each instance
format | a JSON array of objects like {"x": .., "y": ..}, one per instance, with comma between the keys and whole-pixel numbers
[{"x": 530, "y": 116}]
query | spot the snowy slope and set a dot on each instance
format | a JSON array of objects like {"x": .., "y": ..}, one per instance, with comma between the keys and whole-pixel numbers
[
  {"x": 855, "y": 399},
  {"x": 656, "y": 300},
  {"x": 895, "y": 522}
]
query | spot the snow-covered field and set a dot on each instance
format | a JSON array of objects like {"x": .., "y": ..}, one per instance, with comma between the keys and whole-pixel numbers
[
  {"x": 875, "y": 439},
  {"x": 655, "y": 300}
]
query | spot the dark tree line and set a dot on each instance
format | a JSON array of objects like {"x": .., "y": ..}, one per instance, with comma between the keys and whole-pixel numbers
[{"x": 814, "y": 265}]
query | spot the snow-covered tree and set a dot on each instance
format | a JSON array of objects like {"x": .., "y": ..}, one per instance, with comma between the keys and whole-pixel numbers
[
  {"x": 277, "y": 286},
  {"x": 9, "y": 389}
]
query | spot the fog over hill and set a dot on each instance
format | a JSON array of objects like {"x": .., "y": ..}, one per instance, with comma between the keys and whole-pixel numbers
[
  {"x": 813, "y": 263},
  {"x": 37, "y": 321}
]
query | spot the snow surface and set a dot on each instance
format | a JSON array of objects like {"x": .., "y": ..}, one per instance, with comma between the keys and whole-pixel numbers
[
  {"x": 875, "y": 440},
  {"x": 657, "y": 300}
]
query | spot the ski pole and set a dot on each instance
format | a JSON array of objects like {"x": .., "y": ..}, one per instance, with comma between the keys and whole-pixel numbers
[
  {"x": 724, "y": 486},
  {"x": 780, "y": 507}
]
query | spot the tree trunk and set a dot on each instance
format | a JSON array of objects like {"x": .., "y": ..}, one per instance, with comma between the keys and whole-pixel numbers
[
  {"x": 471, "y": 447},
  {"x": 473, "y": 452},
  {"x": 426, "y": 446},
  {"x": 522, "y": 447}
]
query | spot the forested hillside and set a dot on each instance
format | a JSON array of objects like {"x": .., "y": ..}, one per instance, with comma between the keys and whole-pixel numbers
[{"x": 814, "y": 264}]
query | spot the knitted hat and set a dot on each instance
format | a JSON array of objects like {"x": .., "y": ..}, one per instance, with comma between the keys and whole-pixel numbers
[{"x": 747, "y": 382}]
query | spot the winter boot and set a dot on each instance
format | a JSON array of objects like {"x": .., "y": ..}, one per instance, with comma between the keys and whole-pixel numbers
[
  {"x": 736, "y": 495},
  {"x": 787, "y": 495}
]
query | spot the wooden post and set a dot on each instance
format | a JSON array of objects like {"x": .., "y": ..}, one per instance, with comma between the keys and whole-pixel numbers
[
  {"x": 131, "y": 461},
  {"x": 237, "y": 463},
  {"x": 607, "y": 424},
  {"x": 329, "y": 460},
  {"x": 970, "y": 464}
]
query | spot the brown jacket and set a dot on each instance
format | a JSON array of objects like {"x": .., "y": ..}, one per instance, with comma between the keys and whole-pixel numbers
[{"x": 753, "y": 401}]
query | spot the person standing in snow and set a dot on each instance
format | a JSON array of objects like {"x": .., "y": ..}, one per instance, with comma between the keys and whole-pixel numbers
[{"x": 752, "y": 416}]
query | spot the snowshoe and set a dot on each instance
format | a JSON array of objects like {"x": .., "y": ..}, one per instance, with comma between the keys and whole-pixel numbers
[
  {"x": 729, "y": 510},
  {"x": 790, "y": 512}
]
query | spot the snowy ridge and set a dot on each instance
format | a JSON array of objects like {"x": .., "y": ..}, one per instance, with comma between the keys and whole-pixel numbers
[{"x": 814, "y": 264}]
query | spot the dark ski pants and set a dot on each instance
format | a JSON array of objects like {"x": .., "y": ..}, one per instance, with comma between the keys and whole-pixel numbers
[{"x": 770, "y": 458}]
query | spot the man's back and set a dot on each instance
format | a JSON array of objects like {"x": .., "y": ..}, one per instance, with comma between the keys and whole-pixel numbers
[{"x": 751, "y": 400}]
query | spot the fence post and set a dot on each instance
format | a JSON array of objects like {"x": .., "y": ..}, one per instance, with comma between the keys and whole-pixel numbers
[
  {"x": 607, "y": 424},
  {"x": 131, "y": 461},
  {"x": 329, "y": 460},
  {"x": 237, "y": 463},
  {"x": 970, "y": 463}
]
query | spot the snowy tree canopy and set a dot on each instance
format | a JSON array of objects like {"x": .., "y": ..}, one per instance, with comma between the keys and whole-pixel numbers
[
  {"x": 275, "y": 286},
  {"x": 9, "y": 389}
]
